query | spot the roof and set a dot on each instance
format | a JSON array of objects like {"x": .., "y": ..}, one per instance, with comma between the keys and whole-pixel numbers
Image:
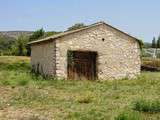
[{"x": 81, "y": 29}]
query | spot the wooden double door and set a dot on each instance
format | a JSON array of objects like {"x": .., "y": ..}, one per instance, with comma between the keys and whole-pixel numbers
[{"x": 82, "y": 65}]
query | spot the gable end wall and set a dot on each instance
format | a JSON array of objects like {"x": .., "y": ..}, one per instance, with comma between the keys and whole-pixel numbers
[{"x": 118, "y": 54}]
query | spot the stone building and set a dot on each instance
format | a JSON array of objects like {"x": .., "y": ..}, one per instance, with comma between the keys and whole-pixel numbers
[{"x": 98, "y": 51}]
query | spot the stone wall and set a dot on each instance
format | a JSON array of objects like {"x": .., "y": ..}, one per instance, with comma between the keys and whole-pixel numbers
[
  {"x": 43, "y": 57},
  {"x": 118, "y": 54}
]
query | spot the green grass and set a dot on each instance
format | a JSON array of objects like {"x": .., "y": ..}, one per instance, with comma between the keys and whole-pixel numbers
[
  {"x": 128, "y": 116},
  {"x": 25, "y": 96},
  {"x": 151, "y": 106}
]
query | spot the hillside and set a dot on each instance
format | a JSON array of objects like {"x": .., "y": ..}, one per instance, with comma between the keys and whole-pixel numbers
[{"x": 15, "y": 34}]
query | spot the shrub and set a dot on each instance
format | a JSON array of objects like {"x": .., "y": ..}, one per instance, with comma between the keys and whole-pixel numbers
[
  {"x": 22, "y": 82},
  {"x": 5, "y": 82},
  {"x": 147, "y": 105},
  {"x": 128, "y": 116}
]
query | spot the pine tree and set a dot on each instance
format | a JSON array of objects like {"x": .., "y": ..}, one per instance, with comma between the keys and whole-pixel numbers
[
  {"x": 154, "y": 43},
  {"x": 158, "y": 42}
]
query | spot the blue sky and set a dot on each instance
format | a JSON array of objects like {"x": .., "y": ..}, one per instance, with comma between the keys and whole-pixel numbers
[{"x": 140, "y": 18}]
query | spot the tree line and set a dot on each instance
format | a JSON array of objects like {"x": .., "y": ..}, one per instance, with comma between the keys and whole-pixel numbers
[{"x": 20, "y": 47}]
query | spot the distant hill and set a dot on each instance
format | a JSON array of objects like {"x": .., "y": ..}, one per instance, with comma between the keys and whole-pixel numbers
[{"x": 14, "y": 34}]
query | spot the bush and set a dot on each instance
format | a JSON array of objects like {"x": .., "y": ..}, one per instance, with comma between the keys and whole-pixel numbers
[
  {"x": 22, "y": 82},
  {"x": 147, "y": 106},
  {"x": 128, "y": 116},
  {"x": 5, "y": 82}
]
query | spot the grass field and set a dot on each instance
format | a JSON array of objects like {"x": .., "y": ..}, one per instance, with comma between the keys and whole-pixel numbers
[{"x": 27, "y": 97}]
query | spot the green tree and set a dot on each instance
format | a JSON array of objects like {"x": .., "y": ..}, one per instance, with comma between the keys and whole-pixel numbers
[
  {"x": 6, "y": 44},
  {"x": 76, "y": 26},
  {"x": 37, "y": 34},
  {"x": 158, "y": 42},
  {"x": 19, "y": 48},
  {"x": 154, "y": 43}
]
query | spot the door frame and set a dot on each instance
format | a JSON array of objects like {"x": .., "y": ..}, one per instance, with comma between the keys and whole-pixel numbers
[{"x": 70, "y": 55}]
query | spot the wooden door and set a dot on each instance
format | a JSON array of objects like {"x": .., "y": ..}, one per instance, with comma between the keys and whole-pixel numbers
[{"x": 82, "y": 66}]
